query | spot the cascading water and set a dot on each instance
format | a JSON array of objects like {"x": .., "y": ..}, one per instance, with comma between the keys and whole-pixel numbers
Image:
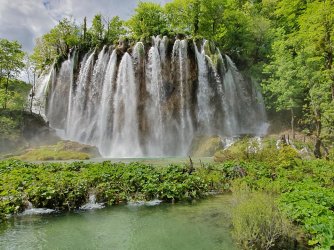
[
  {"x": 78, "y": 123},
  {"x": 204, "y": 93},
  {"x": 153, "y": 107},
  {"x": 40, "y": 92},
  {"x": 185, "y": 126},
  {"x": 105, "y": 116},
  {"x": 94, "y": 97},
  {"x": 125, "y": 140},
  {"x": 150, "y": 101},
  {"x": 58, "y": 94},
  {"x": 244, "y": 108}
]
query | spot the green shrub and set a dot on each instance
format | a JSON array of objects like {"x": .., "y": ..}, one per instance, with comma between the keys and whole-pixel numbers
[
  {"x": 311, "y": 206},
  {"x": 67, "y": 186},
  {"x": 257, "y": 221}
]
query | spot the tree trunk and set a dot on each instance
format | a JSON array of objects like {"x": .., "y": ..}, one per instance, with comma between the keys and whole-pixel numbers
[
  {"x": 32, "y": 93},
  {"x": 196, "y": 25},
  {"x": 0, "y": 75},
  {"x": 293, "y": 124},
  {"x": 85, "y": 29},
  {"x": 329, "y": 55},
  {"x": 196, "y": 18},
  {"x": 317, "y": 152},
  {"x": 325, "y": 151},
  {"x": 6, "y": 92},
  {"x": 317, "y": 146}
]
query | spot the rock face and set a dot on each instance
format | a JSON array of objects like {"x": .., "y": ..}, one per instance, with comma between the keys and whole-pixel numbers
[
  {"x": 25, "y": 130},
  {"x": 92, "y": 151},
  {"x": 151, "y": 99}
]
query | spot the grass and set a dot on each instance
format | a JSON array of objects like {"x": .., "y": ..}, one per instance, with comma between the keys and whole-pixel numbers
[
  {"x": 205, "y": 146},
  {"x": 63, "y": 150},
  {"x": 49, "y": 154}
]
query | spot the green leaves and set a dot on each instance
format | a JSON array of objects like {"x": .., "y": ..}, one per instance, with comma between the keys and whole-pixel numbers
[
  {"x": 312, "y": 206},
  {"x": 11, "y": 62},
  {"x": 57, "y": 43},
  {"x": 300, "y": 74},
  {"x": 148, "y": 20},
  {"x": 67, "y": 186},
  {"x": 115, "y": 30}
]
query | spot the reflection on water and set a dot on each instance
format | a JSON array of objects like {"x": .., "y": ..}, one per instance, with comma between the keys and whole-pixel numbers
[{"x": 201, "y": 225}]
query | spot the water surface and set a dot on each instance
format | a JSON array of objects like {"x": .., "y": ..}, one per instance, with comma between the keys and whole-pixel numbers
[{"x": 199, "y": 225}]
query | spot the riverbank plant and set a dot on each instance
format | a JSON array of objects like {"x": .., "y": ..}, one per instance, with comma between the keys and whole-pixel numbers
[
  {"x": 257, "y": 221},
  {"x": 66, "y": 186},
  {"x": 303, "y": 191}
]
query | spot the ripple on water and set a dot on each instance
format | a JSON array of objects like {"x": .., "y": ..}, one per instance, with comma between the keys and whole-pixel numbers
[{"x": 186, "y": 226}]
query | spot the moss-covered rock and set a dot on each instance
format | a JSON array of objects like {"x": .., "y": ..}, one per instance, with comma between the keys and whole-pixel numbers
[
  {"x": 21, "y": 129},
  {"x": 265, "y": 150},
  {"x": 205, "y": 146},
  {"x": 63, "y": 150}
]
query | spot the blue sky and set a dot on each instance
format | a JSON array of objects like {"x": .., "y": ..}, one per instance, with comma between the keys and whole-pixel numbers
[{"x": 25, "y": 20}]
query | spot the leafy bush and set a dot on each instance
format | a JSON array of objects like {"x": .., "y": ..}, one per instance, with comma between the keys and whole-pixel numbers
[
  {"x": 66, "y": 186},
  {"x": 304, "y": 189},
  {"x": 258, "y": 150},
  {"x": 311, "y": 205},
  {"x": 257, "y": 221}
]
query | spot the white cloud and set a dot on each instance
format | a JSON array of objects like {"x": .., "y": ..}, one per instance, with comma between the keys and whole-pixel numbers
[{"x": 25, "y": 20}]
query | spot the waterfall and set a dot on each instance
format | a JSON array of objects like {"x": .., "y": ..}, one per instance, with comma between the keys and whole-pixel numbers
[
  {"x": 162, "y": 48},
  {"x": 242, "y": 106},
  {"x": 70, "y": 101},
  {"x": 40, "y": 92},
  {"x": 105, "y": 116},
  {"x": 58, "y": 94},
  {"x": 152, "y": 101},
  {"x": 204, "y": 93},
  {"x": 125, "y": 141},
  {"x": 76, "y": 129},
  {"x": 153, "y": 107},
  {"x": 94, "y": 97},
  {"x": 185, "y": 126}
]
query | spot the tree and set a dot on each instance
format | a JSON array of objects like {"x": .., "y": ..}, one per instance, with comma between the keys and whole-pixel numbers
[
  {"x": 284, "y": 86},
  {"x": 97, "y": 30},
  {"x": 211, "y": 17},
  {"x": 57, "y": 43},
  {"x": 148, "y": 20},
  {"x": 11, "y": 62},
  {"x": 30, "y": 71},
  {"x": 115, "y": 30},
  {"x": 182, "y": 16},
  {"x": 302, "y": 66},
  {"x": 317, "y": 35}
]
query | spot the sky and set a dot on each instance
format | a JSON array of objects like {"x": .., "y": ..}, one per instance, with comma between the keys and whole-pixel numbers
[{"x": 25, "y": 20}]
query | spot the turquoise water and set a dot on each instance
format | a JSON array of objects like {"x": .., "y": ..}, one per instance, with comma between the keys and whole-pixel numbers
[{"x": 200, "y": 225}]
